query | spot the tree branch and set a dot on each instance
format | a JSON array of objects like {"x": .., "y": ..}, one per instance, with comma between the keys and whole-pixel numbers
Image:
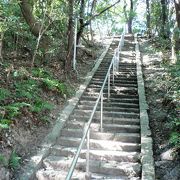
[{"x": 98, "y": 14}]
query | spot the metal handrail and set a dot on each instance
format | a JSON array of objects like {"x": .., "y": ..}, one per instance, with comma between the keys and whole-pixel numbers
[{"x": 113, "y": 65}]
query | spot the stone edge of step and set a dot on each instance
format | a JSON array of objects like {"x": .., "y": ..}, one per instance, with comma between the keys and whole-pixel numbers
[
  {"x": 147, "y": 160},
  {"x": 36, "y": 161}
]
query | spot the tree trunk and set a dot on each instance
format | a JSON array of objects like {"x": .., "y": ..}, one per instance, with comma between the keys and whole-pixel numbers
[
  {"x": 82, "y": 26},
  {"x": 81, "y": 21},
  {"x": 164, "y": 18},
  {"x": 70, "y": 34},
  {"x": 38, "y": 29},
  {"x": 176, "y": 34},
  {"x": 177, "y": 7},
  {"x": 148, "y": 19},
  {"x": 130, "y": 17},
  {"x": 26, "y": 9},
  {"x": 1, "y": 45}
]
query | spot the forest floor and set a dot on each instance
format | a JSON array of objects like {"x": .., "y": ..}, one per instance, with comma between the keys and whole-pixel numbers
[
  {"x": 165, "y": 156},
  {"x": 27, "y": 128}
]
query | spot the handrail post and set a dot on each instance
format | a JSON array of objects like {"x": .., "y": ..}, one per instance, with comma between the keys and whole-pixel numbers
[
  {"x": 109, "y": 76},
  {"x": 102, "y": 112},
  {"x": 118, "y": 53},
  {"x": 75, "y": 45},
  {"x": 87, "y": 152},
  {"x": 114, "y": 61}
]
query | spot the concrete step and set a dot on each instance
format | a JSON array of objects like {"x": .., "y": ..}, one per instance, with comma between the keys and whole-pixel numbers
[
  {"x": 100, "y": 144},
  {"x": 122, "y": 100},
  {"x": 106, "y": 127},
  {"x": 61, "y": 175},
  {"x": 107, "y": 114},
  {"x": 103, "y": 176},
  {"x": 118, "y": 74},
  {"x": 121, "y": 69},
  {"x": 115, "y": 89},
  {"x": 128, "y": 76},
  {"x": 110, "y": 108},
  {"x": 116, "y": 79},
  {"x": 51, "y": 174},
  {"x": 96, "y": 154},
  {"x": 106, "y": 120},
  {"x": 92, "y": 85},
  {"x": 108, "y": 104},
  {"x": 123, "y": 137},
  {"x": 113, "y": 95},
  {"x": 109, "y": 168}
]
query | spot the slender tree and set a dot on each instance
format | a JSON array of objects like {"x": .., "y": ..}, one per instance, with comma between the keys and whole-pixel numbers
[
  {"x": 84, "y": 24},
  {"x": 176, "y": 34},
  {"x": 177, "y": 8},
  {"x": 148, "y": 19},
  {"x": 70, "y": 33},
  {"x": 129, "y": 14},
  {"x": 130, "y": 17}
]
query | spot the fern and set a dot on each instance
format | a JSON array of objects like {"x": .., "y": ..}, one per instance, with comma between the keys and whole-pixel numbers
[
  {"x": 3, "y": 160},
  {"x": 40, "y": 105},
  {"x": 175, "y": 139},
  {"x": 53, "y": 84},
  {"x": 14, "y": 161},
  {"x": 13, "y": 110},
  {"x": 40, "y": 72},
  {"x": 27, "y": 88},
  {"x": 4, "y": 93},
  {"x": 4, "y": 123}
]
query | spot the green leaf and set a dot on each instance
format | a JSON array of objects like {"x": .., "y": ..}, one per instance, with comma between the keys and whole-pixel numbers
[
  {"x": 4, "y": 93},
  {"x": 14, "y": 161}
]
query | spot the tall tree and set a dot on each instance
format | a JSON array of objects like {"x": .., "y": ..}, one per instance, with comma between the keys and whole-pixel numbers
[
  {"x": 148, "y": 18},
  {"x": 177, "y": 8},
  {"x": 129, "y": 14},
  {"x": 70, "y": 33},
  {"x": 176, "y": 33},
  {"x": 164, "y": 19},
  {"x": 27, "y": 11},
  {"x": 83, "y": 23},
  {"x": 130, "y": 17}
]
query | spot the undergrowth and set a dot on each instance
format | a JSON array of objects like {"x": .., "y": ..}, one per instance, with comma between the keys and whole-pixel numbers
[
  {"x": 12, "y": 162},
  {"x": 25, "y": 92},
  {"x": 170, "y": 82}
]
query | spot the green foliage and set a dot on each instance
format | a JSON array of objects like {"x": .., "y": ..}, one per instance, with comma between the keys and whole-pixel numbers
[
  {"x": 4, "y": 93},
  {"x": 13, "y": 110},
  {"x": 40, "y": 105},
  {"x": 3, "y": 160},
  {"x": 4, "y": 123},
  {"x": 175, "y": 139},
  {"x": 40, "y": 72},
  {"x": 53, "y": 84},
  {"x": 27, "y": 88},
  {"x": 14, "y": 161}
]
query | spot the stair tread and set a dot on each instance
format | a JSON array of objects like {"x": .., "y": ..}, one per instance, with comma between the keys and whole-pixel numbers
[
  {"x": 81, "y": 124},
  {"x": 109, "y": 167},
  {"x": 96, "y": 151},
  {"x": 104, "y": 142},
  {"x": 86, "y": 117},
  {"x": 50, "y": 174},
  {"x": 105, "y": 133}
]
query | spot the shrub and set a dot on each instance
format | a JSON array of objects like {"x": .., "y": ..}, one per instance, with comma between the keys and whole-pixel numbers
[
  {"x": 4, "y": 93},
  {"x": 14, "y": 160}
]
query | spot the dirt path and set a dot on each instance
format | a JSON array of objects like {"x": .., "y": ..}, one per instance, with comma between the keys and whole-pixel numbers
[{"x": 166, "y": 165}]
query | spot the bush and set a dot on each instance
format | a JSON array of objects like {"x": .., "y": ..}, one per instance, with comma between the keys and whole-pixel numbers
[{"x": 4, "y": 93}]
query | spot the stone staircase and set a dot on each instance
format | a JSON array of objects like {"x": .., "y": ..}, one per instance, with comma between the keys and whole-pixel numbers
[{"x": 114, "y": 152}]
